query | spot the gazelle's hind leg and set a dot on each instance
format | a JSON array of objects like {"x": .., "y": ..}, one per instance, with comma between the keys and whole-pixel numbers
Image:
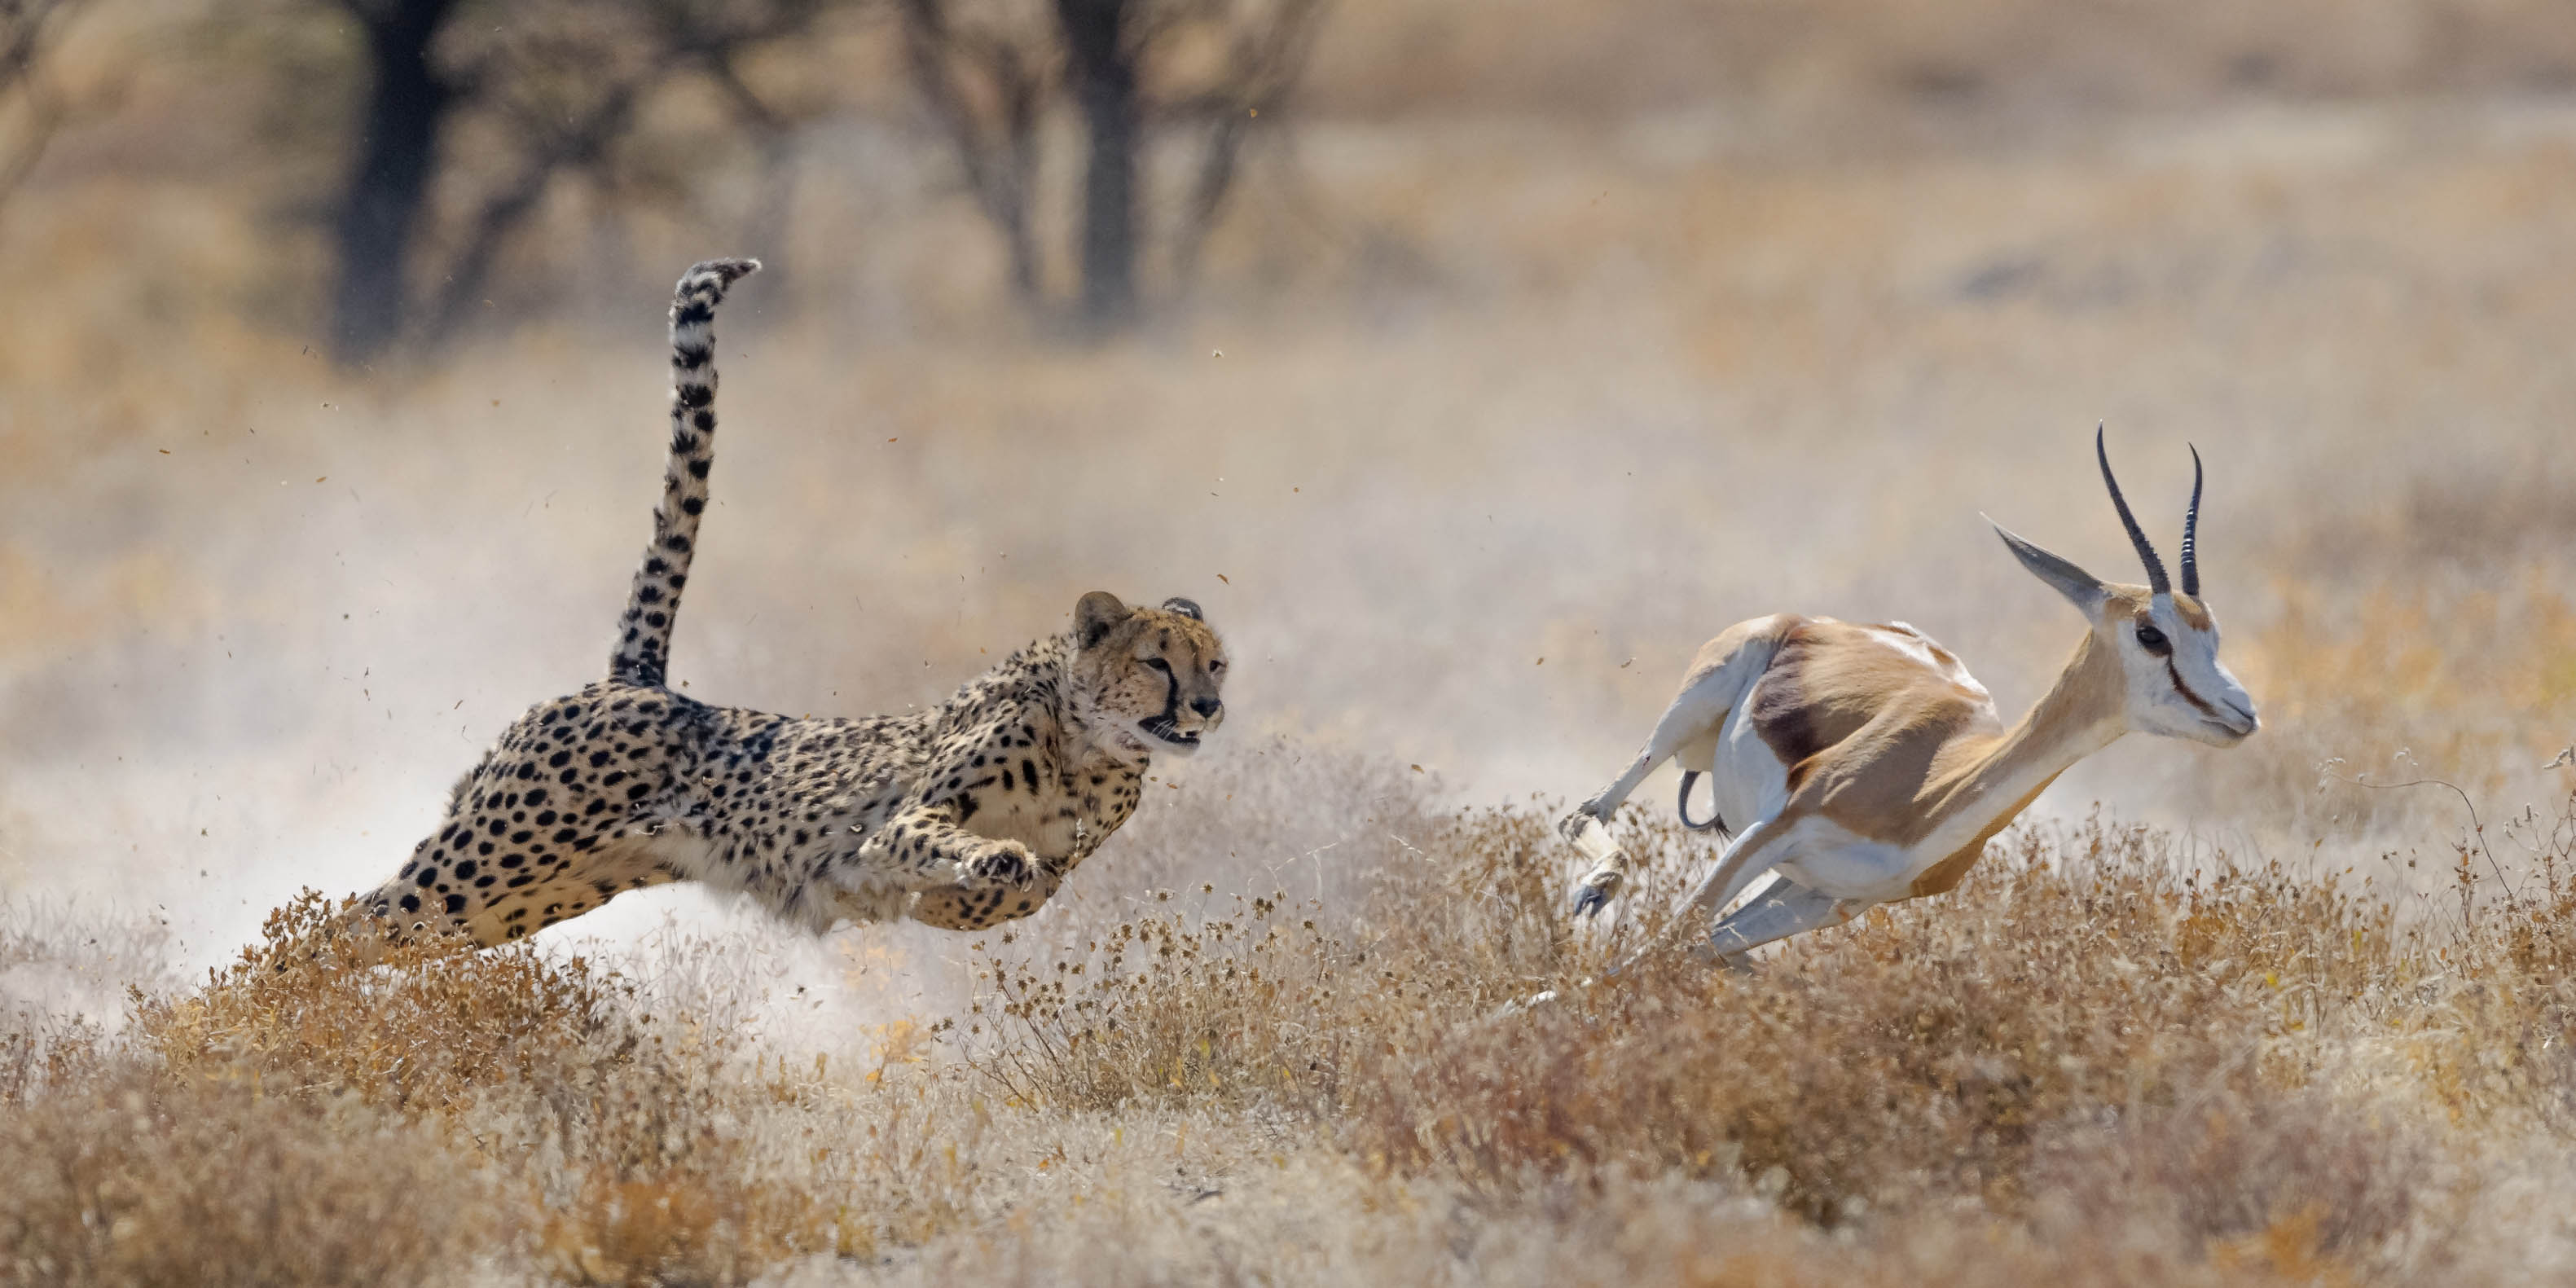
[
  {"x": 1748, "y": 858},
  {"x": 1694, "y": 716},
  {"x": 1785, "y": 909},
  {"x": 1718, "y": 679}
]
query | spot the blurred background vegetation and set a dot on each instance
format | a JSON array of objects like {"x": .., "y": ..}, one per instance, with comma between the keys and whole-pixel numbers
[{"x": 413, "y": 164}]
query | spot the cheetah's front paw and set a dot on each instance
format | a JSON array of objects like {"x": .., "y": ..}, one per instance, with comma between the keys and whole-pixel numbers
[{"x": 1007, "y": 863}]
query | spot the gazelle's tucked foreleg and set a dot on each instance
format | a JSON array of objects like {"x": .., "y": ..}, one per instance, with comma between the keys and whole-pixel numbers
[
  {"x": 1725, "y": 668},
  {"x": 1785, "y": 909},
  {"x": 1753, "y": 853}
]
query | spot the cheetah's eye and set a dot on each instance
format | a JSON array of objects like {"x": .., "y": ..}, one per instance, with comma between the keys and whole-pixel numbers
[
  {"x": 1216, "y": 666},
  {"x": 2153, "y": 640},
  {"x": 1159, "y": 665}
]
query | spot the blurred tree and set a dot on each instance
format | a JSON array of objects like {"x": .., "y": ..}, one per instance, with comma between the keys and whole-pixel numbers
[
  {"x": 996, "y": 146},
  {"x": 1257, "y": 73},
  {"x": 553, "y": 88},
  {"x": 1099, "y": 42},
  {"x": 30, "y": 31},
  {"x": 987, "y": 69},
  {"x": 407, "y": 99}
]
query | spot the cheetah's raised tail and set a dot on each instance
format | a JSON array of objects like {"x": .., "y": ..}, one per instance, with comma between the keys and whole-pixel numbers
[{"x": 644, "y": 643}]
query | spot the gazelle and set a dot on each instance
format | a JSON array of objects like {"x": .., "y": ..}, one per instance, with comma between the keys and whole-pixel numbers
[{"x": 1865, "y": 765}]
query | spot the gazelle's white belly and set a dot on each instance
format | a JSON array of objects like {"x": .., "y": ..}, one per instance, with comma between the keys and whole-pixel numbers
[
  {"x": 1749, "y": 782},
  {"x": 1826, "y": 857}
]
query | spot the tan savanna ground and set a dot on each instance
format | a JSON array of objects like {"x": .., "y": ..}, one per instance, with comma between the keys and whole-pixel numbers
[{"x": 1572, "y": 340}]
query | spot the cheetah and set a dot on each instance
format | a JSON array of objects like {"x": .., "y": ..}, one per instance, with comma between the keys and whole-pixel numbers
[{"x": 962, "y": 815}]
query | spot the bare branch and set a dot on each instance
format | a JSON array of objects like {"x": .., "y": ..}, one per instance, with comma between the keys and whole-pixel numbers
[
  {"x": 1000, "y": 160},
  {"x": 572, "y": 81},
  {"x": 30, "y": 32},
  {"x": 1264, "y": 62},
  {"x": 987, "y": 88}
]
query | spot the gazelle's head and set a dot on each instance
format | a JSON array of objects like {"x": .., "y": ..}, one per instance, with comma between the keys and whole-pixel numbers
[{"x": 2165, "y": 640}]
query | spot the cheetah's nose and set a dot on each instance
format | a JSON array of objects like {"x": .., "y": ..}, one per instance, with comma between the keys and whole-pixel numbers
[{"x": 1205, "y": 706}]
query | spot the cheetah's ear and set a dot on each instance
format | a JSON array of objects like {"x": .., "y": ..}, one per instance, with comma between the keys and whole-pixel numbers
[
  {"x": 1095, "y": 615},
  {"x": 1186, "y": 608}
]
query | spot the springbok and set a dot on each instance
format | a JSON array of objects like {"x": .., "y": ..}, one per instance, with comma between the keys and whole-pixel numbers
[{"x": 1867, "y": 766}]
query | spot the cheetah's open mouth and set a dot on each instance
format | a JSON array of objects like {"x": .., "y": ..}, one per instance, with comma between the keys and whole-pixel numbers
[{"x": 1164, "y": 728}]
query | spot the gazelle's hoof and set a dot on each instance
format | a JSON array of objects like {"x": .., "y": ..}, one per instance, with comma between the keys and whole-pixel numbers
[{"x": 1600, "y": 886}]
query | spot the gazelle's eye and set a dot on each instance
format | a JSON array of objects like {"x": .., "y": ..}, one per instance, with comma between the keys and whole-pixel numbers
[
  {"x": 2153, "y": 640},
  {"x": 1159, "y": 665}
]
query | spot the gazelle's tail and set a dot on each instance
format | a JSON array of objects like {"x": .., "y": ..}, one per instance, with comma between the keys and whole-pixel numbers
[{"x": 644, "y": 642}]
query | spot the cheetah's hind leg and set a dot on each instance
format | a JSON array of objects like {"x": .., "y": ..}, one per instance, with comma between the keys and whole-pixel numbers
[{"x": 479, "y": 905}]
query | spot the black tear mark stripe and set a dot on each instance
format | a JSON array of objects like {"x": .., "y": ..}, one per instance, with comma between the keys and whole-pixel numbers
[
  {"x": 644, "y": 633},
  {"x": 2185, "y": 691}
]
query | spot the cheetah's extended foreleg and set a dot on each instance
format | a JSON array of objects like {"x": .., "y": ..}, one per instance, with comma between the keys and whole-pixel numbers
[{"x": 963, "y": 881}]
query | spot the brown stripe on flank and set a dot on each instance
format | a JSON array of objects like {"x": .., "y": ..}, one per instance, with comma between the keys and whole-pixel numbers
[{"x": 1780, "y": 711}]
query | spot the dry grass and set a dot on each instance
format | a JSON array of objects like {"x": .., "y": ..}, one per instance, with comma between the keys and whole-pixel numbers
[{"x": 2087, "y": 1064}]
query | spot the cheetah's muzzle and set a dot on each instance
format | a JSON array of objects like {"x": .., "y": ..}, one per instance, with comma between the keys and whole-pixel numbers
[{"x": 1165, "y": 728}]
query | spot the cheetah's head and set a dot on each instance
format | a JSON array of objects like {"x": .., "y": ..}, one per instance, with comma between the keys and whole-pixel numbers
[{"x": 1146, "y": 679}]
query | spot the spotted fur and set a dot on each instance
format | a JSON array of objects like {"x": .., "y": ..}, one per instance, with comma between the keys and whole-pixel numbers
[{"x": 967, "y": 814}]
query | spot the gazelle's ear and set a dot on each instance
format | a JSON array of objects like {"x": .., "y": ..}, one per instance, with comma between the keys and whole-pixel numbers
[{"x": 2081, "y": 588}]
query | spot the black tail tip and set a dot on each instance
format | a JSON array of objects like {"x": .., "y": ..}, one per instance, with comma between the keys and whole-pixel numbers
[{"x": 725, "y": 272}]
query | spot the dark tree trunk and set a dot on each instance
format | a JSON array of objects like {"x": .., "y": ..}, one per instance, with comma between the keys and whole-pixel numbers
[
  {"x": 1104, "y": 81},
  {"x": 1020, "y": 107},
  {"x": 397, "y": 154}
]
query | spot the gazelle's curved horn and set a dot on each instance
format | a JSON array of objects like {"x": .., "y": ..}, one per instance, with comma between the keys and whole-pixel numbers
[
  {"x": 2191, "y": 525},
  {"x": 2156, "y": 579}
]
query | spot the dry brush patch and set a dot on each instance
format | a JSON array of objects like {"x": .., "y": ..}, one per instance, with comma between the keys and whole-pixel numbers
[
  {"x": 300, "y": 1119},
  {"x": 2106, "y": 1057},
  {"x": 2101, "y": 1043}
]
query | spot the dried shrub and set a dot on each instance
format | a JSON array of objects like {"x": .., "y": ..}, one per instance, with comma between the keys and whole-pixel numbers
[
  {"x": 306, "y": 1011},
  {"x": 2298, "y": 1180},
  {"x": 353, "y": 1116},
  {"x": 136, "y": 1179},
  {"x": 1168, "y": 1008},
  {"x": 670, "y": 1166},
  {"x": 1914, "y": 1057}
]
